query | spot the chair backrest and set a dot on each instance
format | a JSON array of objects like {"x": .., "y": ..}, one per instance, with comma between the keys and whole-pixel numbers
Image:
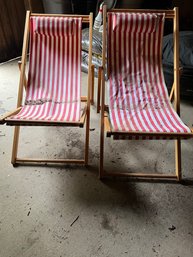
[
  {"x": 134, "y": 59},
  {"x": 55, "y": 60}
]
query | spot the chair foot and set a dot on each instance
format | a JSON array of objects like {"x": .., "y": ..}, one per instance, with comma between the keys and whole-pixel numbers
[
  {"x": 15, "y": 165},
  {"x": 87, "y": 165},
  {"x": 179, "y": 180},
  {"x": 101, "y": 176},
  {"x": 98, "y": 108}
]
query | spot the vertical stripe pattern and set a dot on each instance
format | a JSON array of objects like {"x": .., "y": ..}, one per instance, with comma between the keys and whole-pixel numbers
[
  {"x": 138, "y": 97},
  {"x": 54, "y": 78}
]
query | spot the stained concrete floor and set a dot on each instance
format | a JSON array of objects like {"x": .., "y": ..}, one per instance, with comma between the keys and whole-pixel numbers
[{"x": 67, "y": 211}]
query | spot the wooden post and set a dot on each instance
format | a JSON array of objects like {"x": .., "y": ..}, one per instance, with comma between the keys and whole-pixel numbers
[
  {"x": 176, "y": 61},
  {"x": 15, "y": 144},
  {"x": 23, "y": 60},
  {"x": 92, "y": 84},
  {"x": 89, "y": 89},
  {"x": 178, "y": 158},
  {"x": 101, "y": 168},
  {"x": 177, "y": 89},
  {"x": 21, "y": 85},
  {"x": 99, "y": 89},
  {"x": 25, "y": 79}
]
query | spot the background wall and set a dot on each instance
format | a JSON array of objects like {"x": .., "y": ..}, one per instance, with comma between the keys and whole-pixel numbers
[
  {"x": 12, "y": 20},
  {"x": 12, "y": 16},
  {"x": 186, "y": 13}
]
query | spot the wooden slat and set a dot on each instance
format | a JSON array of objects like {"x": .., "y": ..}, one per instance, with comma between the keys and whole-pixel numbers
[
  {"x": 173, "y": 86},
  {"x": 99, "y": 89},
  {"x": 176, "y": 63},
  {"x": 3, "y": 117},
  {"x": 92, "y": 85},
  {"x": 44, "y": 123},
  {"x": 23, "y": 60},
  {"x": 83, "y": 117},
  {"x": 83, "y": 98},
  {"x": 168, "y": 13},
  {"x": 107, "y": 126},
  {"x": 85, "y": 18},
  {"x": 45, "y": 161},
  {"x": 88, "y": 90},
  {"x": 178, "y": 159},
  {"x": 153, "y": 134},
  {"x": 141, "y": 175},
  {"x": 25, "y": 78},
  {"x": 102, "y": 125}
]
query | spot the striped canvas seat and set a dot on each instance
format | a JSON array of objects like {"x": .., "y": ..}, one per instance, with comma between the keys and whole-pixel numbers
[
  {"x": 138, "y": 97},
  {"x": 52, "y": 86},
  {"x": 54, "y": 79}
]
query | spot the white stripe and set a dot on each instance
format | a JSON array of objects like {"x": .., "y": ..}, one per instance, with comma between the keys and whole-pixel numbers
[
  {"x": 45, "y": 53},
  {"x": 36, "y": 65}
]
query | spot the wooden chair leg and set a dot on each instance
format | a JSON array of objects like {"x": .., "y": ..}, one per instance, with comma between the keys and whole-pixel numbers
[
  {"x": 99, "y": 90},
  {"x": 92, "y": 85},
  {"x": 172, "y": 93},
  {"x": 87, "y": 137},
  {"x": 25, "y": 79},
  {"x": 101, "y": 164},
  {"x": 173, "y": 86},
  {"x": 178, "y": 159},
  {"x": 15, "y": 144},
  {"x": 101, "y": 168}
]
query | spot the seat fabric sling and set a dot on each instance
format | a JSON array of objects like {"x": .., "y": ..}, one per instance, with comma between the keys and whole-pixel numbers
[
  {"x": 138, "y": 97},
  {"x": 53, "y": 89}
]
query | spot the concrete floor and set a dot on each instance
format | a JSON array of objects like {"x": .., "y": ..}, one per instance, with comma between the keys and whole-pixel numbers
[{"x": 67, "y": 211}]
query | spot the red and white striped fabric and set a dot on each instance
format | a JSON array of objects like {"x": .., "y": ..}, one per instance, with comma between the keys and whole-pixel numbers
[
  {"x": 54, "y": 78},
  {"x": 138, "y": 97}
]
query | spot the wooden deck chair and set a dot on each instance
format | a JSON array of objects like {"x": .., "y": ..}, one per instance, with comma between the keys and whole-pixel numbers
[
  {"x": 53, "y": 87},
  {"x": 139, "y": 106}
]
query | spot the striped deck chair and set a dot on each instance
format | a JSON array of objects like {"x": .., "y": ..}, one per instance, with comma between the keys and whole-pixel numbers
[
  {"x": 53, "y": 87},
  {"x": 139, "y": 106}
]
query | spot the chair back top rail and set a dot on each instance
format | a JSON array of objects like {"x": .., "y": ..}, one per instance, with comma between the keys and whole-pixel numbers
[
  {"x": 85, "y": 18},
  {"x": 168, "y": 13}
]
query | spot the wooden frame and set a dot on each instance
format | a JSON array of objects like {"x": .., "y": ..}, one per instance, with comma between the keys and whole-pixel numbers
[
  {"x": 105, "y": 123},
  {"x": 23, "y": 84},
  {"x": 99, "y": 88}
]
